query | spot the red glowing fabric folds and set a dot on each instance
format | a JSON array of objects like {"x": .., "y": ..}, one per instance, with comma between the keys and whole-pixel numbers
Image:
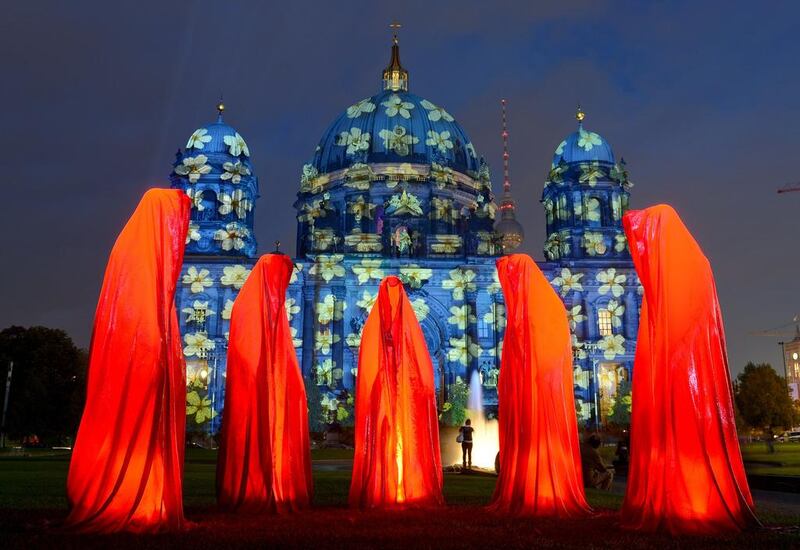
[
  {"x": 540, "y": 467},
  {"x": 264, "y": 458},
  {"x": 686, "y": 472},
  {"x": 397, "y": 458},
  {"x": 126, "y": 468}
]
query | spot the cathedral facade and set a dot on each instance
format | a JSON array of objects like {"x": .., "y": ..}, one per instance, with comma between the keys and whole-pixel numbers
[{"x": 395, "y": 186}]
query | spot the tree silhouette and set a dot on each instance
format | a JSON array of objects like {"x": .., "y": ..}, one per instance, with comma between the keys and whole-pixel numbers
[
  {"x": 621, "y": 412},
  {"x": 48, "y": 384},
  {"x": 762, "y": 397}
]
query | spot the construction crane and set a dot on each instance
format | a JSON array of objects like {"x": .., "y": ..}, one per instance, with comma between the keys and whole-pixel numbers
[
  {"x": 783, "y": 331},
  {"x": 789, "y": 187}
]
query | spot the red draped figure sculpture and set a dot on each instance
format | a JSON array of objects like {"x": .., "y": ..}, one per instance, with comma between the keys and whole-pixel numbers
[
  {"x": 397, "y": 458},
  {"x": 126, "y": 469},
  {"x": 540, "y": 465},
  {"x": 264, "y": 458},
  {"x": 686, "y": 473}
]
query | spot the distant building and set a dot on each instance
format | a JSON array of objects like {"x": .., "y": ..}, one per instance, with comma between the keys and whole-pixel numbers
[
  {"x": 395, "y": 186},
  {"x": 791, "y": 360}
]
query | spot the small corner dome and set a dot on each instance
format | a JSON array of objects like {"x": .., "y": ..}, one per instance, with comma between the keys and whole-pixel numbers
[
  {"x": 395, "y": 126},
  {"x": 583, "y": 146},
  {"x": 218, "y": 137},
  {"x": 214, "y": 149}
]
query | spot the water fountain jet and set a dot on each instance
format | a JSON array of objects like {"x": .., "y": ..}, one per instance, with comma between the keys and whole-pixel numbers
[{"x": 485, "y": 437}]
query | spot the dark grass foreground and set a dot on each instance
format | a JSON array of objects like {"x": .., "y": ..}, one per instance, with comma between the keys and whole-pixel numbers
[{"x": 32, "y": 505}]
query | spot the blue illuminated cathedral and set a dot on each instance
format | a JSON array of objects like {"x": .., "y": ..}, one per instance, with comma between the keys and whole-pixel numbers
[{"x": 396, "y": 186}]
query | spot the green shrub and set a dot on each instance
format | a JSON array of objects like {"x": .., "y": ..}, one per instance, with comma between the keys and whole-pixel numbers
[{"x": 454, "y": 410}]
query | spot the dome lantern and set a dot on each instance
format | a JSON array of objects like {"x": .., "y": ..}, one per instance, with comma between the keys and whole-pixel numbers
[{"x": 395, "y": 77}]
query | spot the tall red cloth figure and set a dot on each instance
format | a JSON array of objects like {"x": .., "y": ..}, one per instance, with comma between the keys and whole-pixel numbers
[
  {"x": 397, "y": 458},
  {"x": 540, "y": 465},
  {"x": 264, "y": 458},
  {"x": 686, "y": 473},
  {"x": 127, "y": 466}
]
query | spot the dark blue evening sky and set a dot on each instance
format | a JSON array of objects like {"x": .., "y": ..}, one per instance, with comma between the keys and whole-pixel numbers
[{"x": 701, "y": 98}]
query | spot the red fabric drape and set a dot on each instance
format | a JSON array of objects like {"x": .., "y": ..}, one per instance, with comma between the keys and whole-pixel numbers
[
  {"x": 540, "y": 467},
  {"x": 264, "y": 458},
  {"x": 686, "y": 473},
  {"x": 397, "y": 458},
  {"x": 126, "y": 468}
]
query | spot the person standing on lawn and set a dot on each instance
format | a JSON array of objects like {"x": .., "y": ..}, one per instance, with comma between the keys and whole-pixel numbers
[
  {"x": 466, "y": 443},
  {"x": 770, "y": 440}
]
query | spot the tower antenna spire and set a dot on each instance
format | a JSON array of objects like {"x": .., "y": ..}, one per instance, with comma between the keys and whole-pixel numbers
[
  {"x": 506, "y": 154},
  {"x": 507, "y": 227}
]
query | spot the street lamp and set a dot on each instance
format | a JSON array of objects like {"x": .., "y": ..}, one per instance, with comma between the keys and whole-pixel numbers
[{"x": 5, "y": 405}]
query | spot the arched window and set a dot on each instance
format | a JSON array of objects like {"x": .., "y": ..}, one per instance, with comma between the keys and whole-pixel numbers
[
  {"x": 616, "y": 207},
  {"x": 592, "y": 211},
  {"x": 484, "y": 328},
  {"x": 561, "y": 208},
  {"x": 604, "y": 322},
  {"x": 208, "y": 203},
  {"x": 460, "y": 153}
]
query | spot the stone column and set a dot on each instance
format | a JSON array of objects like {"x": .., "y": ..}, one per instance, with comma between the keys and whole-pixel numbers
[
  {"x": 309, "y": 320},
  {"x": 338, "y": 328},
  {"x": 592, "y": 332},
  {"x": 631, "y": 312},
  {"x": 471, "y": 333}
]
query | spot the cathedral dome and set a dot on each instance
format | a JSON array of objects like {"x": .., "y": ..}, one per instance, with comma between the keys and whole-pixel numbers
[
  {"x": 583, "y": 146},
  {"x": 395, "y": 126},
  {"x": 395, "y": 174}
]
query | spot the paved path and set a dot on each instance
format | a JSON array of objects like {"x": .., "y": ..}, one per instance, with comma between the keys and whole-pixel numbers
[
  {"x": 786, "y": 502},
  {"x": 773, "y": 501},
  {"x": 332, "y": 465},
  {"x": 768, "y": 500}
]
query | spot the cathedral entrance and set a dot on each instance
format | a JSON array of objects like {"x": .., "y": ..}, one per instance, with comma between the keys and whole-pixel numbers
[
  {"x": 609, "y": 378},
  {"x": 435, "y": 338}
]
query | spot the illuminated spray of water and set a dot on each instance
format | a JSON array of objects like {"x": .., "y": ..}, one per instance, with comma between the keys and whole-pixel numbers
[{"x": 485, "y": 438}]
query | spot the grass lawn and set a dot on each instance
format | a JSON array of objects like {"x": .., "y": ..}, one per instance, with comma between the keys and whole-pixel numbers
[
  {"x": 32, "y": 504},
  {"x": 784, "y": 462}
]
